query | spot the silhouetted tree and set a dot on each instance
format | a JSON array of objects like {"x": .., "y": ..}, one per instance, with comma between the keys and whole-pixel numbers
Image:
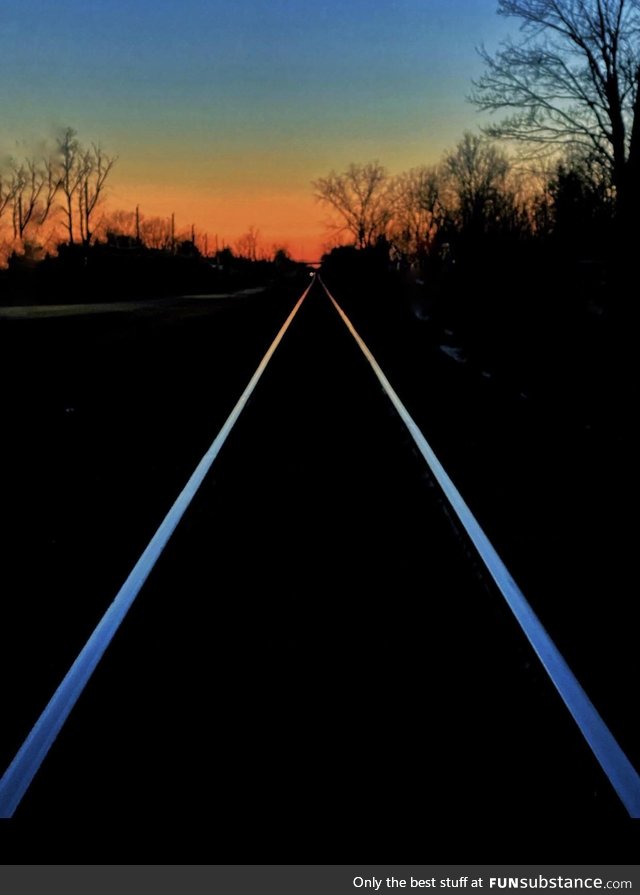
[
  {"x": 281, "y": 256},
  {"x": 418, "y": 210},
  {"x": 94, "y": 167},
  {"x": 70, "y": 156},
  {"x": 225, "y": 257},
  {"x": 572, "y": 80},
  {"x": 156, "y": 233},
  {"x": 363, "y": 198},
  {"x": 247, "y": 244},
  {"x": 82, "y": 173},
  {"x": 7, "y": 192},
  {"x": 34, "y": 186},
  {"x": 582, "y": 208},
  {"x": 121, "y": 222},
  {"x": 476, "y": 173}
]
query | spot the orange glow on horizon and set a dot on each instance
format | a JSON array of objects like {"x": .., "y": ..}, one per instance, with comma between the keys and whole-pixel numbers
[{"x": 290, "y": 220}]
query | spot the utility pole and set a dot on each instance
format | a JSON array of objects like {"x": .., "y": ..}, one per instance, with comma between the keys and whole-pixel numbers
[{"x": 138, "y": 224}]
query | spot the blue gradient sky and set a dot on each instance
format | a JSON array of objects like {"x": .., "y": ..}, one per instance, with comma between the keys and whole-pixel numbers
[{"x": 225, "y": 111}]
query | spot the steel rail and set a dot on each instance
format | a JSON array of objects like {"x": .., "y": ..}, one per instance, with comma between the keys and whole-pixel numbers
[
  {"x": 621, "y": 774},
  {"x": 27, "y": 761}
]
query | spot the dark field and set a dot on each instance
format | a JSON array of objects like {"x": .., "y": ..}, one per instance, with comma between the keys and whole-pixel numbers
[{"x": 316, "y": 670}]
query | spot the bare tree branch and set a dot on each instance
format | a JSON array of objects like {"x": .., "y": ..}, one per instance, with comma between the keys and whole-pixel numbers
[
  {"x": 247, "y": 244},
  {"x": 362, "y": 196},
  {"x": 28, "y": 183},
  {"x": 418, "y": 210},
  {"x": 570, "y": 82},
  {"x": 71, "y": 174},
  {"x": 96, "y": 167}
]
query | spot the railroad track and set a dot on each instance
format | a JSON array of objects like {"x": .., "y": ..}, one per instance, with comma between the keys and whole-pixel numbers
[{"x": 307, "y": 592}]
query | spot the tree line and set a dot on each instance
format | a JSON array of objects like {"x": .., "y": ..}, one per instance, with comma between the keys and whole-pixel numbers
[
  {"x": 65, "y": 184},
  {"x": 56, "y": 198},
  {"x": 570, "y": 88},
  {"x": 477, "y": 194}
]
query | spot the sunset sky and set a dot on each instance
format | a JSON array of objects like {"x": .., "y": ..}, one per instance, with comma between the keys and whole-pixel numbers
[{"x": 224, "y": 112}]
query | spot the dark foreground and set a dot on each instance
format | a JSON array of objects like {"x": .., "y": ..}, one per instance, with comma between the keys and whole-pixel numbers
[{"x": 316, "y": 670}]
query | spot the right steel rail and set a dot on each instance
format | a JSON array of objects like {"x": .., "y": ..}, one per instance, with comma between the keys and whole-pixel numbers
[{"x": 613, "y": 761}]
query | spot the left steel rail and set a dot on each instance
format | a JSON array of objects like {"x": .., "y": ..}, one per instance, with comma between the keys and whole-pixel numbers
[{"x": 29, "y": 757}]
